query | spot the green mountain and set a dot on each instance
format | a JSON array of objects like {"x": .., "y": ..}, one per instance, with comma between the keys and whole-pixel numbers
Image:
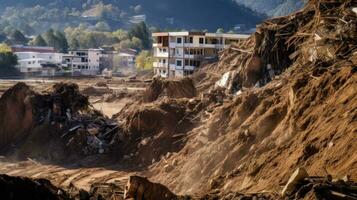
[
  {"x": 272, "y": 7},
  {"x": 37, "y": 15}
]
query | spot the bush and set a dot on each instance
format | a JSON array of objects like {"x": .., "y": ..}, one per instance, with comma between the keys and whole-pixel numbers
[{"x": 8, "y": 60}]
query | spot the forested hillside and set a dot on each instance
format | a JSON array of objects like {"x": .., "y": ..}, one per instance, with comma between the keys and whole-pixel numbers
[
  {"x": 273, "y": 7},
  {"x": 32, "y": 17}
]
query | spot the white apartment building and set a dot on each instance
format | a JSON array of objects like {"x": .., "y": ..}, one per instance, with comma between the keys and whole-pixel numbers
[
  {"x": 178, "y": 54},
  {"x": 83, "y": 61},
  {"x": 38, "y": 63}
]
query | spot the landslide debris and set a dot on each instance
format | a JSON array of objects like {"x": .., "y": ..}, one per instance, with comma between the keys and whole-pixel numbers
[
  {"x": 54, "y": 125},
  {"x": 285, "y": 99},
  {"x": 293, "y": 90},
  {"x": 183, "y": 88},
  {"x": 24, "y": 188}
]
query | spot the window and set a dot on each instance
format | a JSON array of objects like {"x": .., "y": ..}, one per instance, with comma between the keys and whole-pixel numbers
[
  {"x": 164, "y": 61},
  {"x": 186, "y": 62},
  {"x": 201, "y": 40},
  {"x": 179, "y": 40},
  {"x": 191, "y": 40},
  {"x": 179, "y": 63}
]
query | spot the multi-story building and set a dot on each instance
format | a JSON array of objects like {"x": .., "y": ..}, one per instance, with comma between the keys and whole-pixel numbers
[
  {"x": 45, "y": 61},
  {"x": 125, "y": 60},
  {"x": 178, "y": 54},
  {"x": 38, "y": 63},
  {"x": 83, "y": 61}
]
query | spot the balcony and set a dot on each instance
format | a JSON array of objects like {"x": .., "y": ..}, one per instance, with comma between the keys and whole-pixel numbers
[
  {"x": 157, "y": 45},
  {"x": 193, "y": 56},
  {"x": 186, "y": 67},
  {"x": 161, "y": 54},
  {"x": 159, "y": 65}
]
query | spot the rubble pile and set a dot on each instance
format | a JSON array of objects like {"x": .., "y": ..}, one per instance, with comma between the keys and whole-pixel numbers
[
  {"x": 60, "y": 122},
  {"x": 324, "y": 31},
  {"x": 25, "y": 188},
  {"x": 16, "y": 117},
  {"x": 150, "y": 131},
  {"x": 96, "y": 90},
  {"x": 302, "y": 186},
  {"x": 183, "y": 88},
  {"x": 140, "y": 188},
  {"x": 291, "y": 103}
]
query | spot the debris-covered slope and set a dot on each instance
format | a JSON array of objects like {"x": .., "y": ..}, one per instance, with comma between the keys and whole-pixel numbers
[
  {"x": 55, "y": 125},
  {"x": 304, "y": 116}
]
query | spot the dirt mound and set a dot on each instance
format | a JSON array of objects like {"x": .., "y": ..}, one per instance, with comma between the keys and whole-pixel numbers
[
  {"x": 141, "y": 188},
  {"x": 54, "y": 125},
  {"x": 96, "y": 91},
  {"x": 150, "y": 131},
  {"x": 183, "y": 88},
  {"x": 305, "y": 115},
  {"x": 17, "y": 116},
  {"x": 25, "y": 188}
]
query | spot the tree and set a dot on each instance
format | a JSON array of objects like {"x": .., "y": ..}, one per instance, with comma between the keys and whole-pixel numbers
[
  {"x": 102, "y": 26},
  {"x": 61, "y": 41},
  {"x": 8, "y": 60},
  {"x": 144, "y": 60},
  {"x": 38, "y": 41},
  {"x": 16, "y": 37},
  {"x": 134, "y": 43},
  {"x": 56, "y": 39},
  {"x": 73, "y": 44},
  {"x": 140, "y": 31},
  {"x": 121, "y": 34},
  {"x": 50, "y": 38}
]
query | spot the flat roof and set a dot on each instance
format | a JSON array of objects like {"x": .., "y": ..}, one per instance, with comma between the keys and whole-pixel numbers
[
  {"x": 182, "y": 33},
  {"x": 186, "y": 33},
  {"x": 228, "y": 35}
]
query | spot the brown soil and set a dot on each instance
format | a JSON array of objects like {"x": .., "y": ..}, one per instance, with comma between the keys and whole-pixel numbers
[
  {"x": 16, "y": 118},
  {"x": 25, "y": 188},
  {"x": 306, "y": 117},
  {"x": 183, "y": 88}
]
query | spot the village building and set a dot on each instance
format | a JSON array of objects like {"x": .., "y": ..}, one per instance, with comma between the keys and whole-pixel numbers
[
  {"x": 45, "y": 61},
  {"x": 178, "y": 54},
  {"x": 125, "y": 60},
  {"x": 37, "y": 63}
]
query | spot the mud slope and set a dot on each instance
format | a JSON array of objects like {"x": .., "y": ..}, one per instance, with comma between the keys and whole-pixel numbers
[{"x": 305, "y": 117}]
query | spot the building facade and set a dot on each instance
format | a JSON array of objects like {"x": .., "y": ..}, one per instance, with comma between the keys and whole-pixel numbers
[
  {"x": 83, "y": 61},
  {"x": 178, "y": 54},
  {"x": 38, "y": 63},
  {"x": 89, "y": 62}
]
